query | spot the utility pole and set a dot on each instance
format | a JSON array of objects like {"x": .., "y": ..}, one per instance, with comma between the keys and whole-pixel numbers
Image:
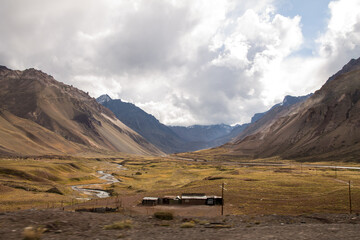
[
  {"x": 350, "y": 197},
  {"x": 222, "y": 199}
]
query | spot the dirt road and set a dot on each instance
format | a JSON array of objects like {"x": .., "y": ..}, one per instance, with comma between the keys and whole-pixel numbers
[{"x": 72, "y": 225}]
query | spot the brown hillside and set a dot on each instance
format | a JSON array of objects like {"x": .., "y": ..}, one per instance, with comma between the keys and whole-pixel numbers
[
  {"x": 327, "y": 124},
  {"x": 43, "y": 115}
]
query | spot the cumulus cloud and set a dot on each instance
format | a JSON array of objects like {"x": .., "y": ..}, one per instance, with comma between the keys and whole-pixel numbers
[
  {"x": 341, "y": 40},
  {"x": 185, "y": 62}
]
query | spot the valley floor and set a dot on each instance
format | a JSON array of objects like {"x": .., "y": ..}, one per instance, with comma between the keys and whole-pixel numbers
[
  {"x": 264, "y": 198},
  {"x": 73, "y": 225}
]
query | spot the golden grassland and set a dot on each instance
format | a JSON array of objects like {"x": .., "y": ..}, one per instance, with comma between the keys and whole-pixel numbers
[
  {"x": 24, "y": 182},
  {"x": 290, "y": 189}
]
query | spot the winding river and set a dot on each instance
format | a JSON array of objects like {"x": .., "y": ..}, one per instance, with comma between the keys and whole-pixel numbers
[{"x": 86, "y": 188}]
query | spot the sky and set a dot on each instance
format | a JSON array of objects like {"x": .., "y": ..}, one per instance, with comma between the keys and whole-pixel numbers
[{"x": 185, "y": 62}]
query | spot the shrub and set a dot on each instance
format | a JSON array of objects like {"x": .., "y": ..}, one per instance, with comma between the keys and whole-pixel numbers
[
  {"x": 201, "y": 222},
  {"x": 31, "y": 233},
  {"x": 126, "y": 224},
  {"x": 190, "y": 224},
  {"x": 164, "y": 215}
]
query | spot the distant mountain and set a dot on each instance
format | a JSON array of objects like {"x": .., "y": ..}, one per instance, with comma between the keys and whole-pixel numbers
[
  {"x": 202, "y": 133},
  {"x": 235, "y": 131},
  {"x": 39, "y": 115},
  {"x": 170, "y": 139},
  {"x": 103, "y": 99},
  {"x": 288, "y": 101},
  {"x": 146, "y": 125},
  {"x": 173, "y": 139},
  {"x": 324, "y": 126},
  {"x": 262, "y": 120},
  {"x": 208, "y": 136}
]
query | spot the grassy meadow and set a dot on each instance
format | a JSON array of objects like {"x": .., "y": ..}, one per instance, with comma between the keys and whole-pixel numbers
[{"x": 250, "y": 189}]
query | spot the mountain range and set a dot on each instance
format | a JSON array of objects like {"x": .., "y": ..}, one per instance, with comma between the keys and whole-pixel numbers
[
  {"x": 173, "y": 139},
  {"x": 170, "y": 139},
  {"x": 39, "y": 115}
]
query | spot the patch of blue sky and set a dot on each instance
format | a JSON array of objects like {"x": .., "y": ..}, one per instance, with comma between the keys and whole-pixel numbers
[{"x": 314, "y": 17}]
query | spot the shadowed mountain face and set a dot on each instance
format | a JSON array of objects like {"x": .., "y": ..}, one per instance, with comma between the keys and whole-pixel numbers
[
  {"x": 169, "y": 139},
  {"x": 49, "y": 117},
  {"x": 326, "y": 125},
  {"x": 172, "y": 139},
  {"x": 145, "y": 124}
]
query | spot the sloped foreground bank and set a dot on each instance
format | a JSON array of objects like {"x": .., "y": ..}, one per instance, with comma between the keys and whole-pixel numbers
[{"x": 72, "y": 225}]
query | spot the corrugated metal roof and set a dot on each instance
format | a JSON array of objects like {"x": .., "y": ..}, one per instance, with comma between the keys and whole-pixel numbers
[
  {"x": 151, "y": 198},
  {"x": 194, "y": 197}
]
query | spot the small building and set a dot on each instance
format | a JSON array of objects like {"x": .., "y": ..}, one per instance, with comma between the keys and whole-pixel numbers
[
  {"x": 150, "y": 201},
  {"x": 214, "y": 200},
  {"x": 171, "y": 200},
  {"x": 184, "y": 199},
  {"x": 193, "y": 199}
]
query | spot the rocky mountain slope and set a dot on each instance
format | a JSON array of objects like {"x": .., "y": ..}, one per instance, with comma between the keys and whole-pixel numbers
[
  {"x": 145, "y": 124},
  {"x": 326, "y": 125},
  {"x": 262, "y": 120},
  {"x": 169, "y": 139},
  {"x": 287, "y": 102},
  {"x": 39, "y": 115},
  {"x": 173, "y": 139}
]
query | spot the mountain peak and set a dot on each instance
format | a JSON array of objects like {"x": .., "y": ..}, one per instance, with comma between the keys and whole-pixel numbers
[
  {"x": 351, "y": 65},
  {"x": 3, "y": 67},
  {"x": 103, "y": 98},
  {"x": 3, "y": 70},
  {"x": 290, "y": 100}
]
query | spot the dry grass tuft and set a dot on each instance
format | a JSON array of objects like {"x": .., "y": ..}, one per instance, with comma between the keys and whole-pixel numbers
[
  {"x": 218, "y": 226},
  {"x": 164, "y": 215},
  {"x": 31, "y": 233},
  {"x": 201, "y": 222},
  {"x": 190, "y": 224},
  {"x": 126, "y": 224}
]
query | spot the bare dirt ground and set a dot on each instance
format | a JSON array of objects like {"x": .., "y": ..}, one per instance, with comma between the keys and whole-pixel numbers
[{"x": 75, "y": 225}]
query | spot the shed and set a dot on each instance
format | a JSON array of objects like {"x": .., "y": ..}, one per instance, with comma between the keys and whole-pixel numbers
[
  {"x": 214, "y": 200},
  {"x": 170, "y": 200},
  {"x": 193, "y": 199},
  {"x": 150, "y": 201}
]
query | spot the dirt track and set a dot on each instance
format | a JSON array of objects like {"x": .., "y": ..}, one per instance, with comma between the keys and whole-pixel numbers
[{"x": 71, "y": 225}]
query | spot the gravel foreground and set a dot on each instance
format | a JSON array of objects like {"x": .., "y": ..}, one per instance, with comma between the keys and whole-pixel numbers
[{"x": 75, "y": 225}]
